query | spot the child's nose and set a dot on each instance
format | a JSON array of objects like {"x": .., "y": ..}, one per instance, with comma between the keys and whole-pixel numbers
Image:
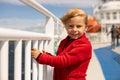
[{"x": 74, "y": 29}]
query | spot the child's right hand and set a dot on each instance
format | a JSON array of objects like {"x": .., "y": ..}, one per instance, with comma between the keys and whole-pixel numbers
[{"x": 35, "y": 53}]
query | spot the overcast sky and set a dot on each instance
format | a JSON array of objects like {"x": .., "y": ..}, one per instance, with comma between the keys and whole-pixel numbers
[{"x": 13, "y": 13}]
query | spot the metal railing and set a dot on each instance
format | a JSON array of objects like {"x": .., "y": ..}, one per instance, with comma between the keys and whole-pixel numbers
[
  {"x": 32, "y": 70},
  {"x": 99, "y": 39},
  {"x": 37, "y": 40}
]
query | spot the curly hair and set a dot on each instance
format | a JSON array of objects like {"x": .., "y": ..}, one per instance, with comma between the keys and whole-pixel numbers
[{"x": 73, "y": 12}]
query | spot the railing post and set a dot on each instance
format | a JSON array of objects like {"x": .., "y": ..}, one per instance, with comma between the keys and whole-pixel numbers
[
  {"x": 34, "y": 64},
  {"x": 45, "y": 66},
  {"x": 40, "y": 68},
  {"x": 28, "y": 60},
  {"x": 18, "y": 60},
  {"x": 50, "y": 30},
  {"x": 4, "y": 60},
  {"x": 49, "y": 45}
]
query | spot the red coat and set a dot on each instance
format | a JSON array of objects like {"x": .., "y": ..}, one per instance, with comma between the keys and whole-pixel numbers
[{"x": 72, "y": 59}]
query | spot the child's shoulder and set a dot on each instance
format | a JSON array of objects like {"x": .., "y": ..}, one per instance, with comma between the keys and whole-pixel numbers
[{"x": 83, "y": 40}]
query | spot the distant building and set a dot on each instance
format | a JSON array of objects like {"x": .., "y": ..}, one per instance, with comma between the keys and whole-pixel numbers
[{"x": 107, "y": 14}]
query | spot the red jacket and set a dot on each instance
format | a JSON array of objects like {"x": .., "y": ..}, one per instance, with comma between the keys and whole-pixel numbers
[{"x": 72, "y": 59}]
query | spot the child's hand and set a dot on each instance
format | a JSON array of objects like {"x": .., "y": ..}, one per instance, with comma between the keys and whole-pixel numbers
[
  {"x": 35, "y": 53},
  {"x": 43, "y": 51}
]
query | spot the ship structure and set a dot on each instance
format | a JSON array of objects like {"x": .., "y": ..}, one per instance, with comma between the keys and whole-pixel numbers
[{"x": 107, "y": 14}]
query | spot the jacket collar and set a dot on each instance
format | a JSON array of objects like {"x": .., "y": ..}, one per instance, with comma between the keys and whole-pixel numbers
[{"x": 69, "y": 38}]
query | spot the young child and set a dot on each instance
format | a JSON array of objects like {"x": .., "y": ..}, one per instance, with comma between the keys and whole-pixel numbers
[{"x": 74, "y": 52}]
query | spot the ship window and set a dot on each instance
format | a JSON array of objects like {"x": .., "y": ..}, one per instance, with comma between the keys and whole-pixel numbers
[
  {"x": 114, "y": 15},
  {"x": 102, "y": 16},
  {"x": 108, "y": 16}
]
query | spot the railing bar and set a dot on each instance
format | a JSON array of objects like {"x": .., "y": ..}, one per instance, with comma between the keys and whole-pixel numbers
[
  {"x": 12, "y": 34},
  {"x": 45, "y": 66},
  {"x": 34, "y": 4},
  {"x": 47, "y": 69},
  {"x": 4, "y": 60},
  {"x": 40, "y": 68},
  {"x": 18, "y": 60},
  {"x": 34, "y": 64},
  {"x": 28, "y": 60}
]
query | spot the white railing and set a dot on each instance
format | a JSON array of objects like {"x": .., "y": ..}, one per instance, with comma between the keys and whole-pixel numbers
[
  {"x": 99, "y": 39},
  {"x": 31, "y": 39},
  {"x": 37, "y": 40}
]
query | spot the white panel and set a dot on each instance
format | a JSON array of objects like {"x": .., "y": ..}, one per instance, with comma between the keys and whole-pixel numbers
[
  {"x": 28, "y": 60},
  {"x": 4, "y": 60},
  {"x": 45, "y": 66},
  {"x": 18, "y": 60},
  {"x": 40, "y": 68},
  {"x": 49, "y": 26},
  {"x": 34, "y": 64},
  {"x": 50, "y": 30}
]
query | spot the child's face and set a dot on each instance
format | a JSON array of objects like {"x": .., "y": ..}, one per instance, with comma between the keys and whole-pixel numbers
[{"x": 75, "y": 27}]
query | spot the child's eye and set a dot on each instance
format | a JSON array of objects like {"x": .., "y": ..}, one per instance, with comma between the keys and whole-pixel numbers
[
  {"x": 71, "y": 26},
  {"x": 78, "y": 26}
]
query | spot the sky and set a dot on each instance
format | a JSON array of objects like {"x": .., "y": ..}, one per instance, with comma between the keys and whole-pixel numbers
[{"x": 15, "y": 14}]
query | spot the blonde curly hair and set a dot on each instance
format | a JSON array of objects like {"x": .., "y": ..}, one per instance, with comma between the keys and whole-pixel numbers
[{"x": 73, "y": 12}]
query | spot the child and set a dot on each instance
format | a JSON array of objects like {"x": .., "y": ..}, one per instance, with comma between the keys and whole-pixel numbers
[{"x": 74, "y": 52}]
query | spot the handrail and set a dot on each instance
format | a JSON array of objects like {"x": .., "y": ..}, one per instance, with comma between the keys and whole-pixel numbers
[
  {"x": 31, "y": 39},
  {"x": 40, "y": 9},
  {"x": 13, "y": 34}
]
